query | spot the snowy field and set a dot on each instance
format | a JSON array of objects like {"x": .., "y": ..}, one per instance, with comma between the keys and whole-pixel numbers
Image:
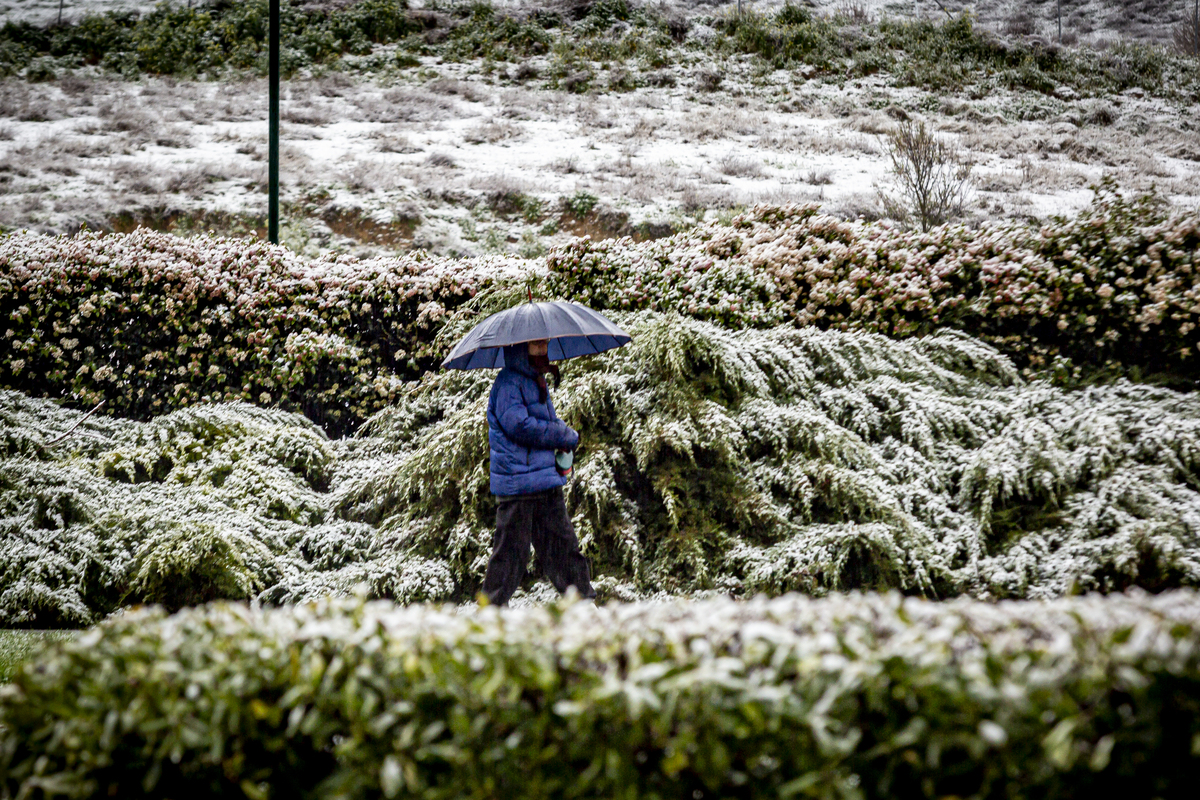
[
  {"x": 374, "y": 164},
  {"x": 417, "y": 149},
  {"x": 46, "y": 12}
]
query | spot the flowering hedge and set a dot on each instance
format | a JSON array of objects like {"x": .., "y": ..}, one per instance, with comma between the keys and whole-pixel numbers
[
  {"x": 1118, "y": 286},
  {"x": 861, "y": 696},
  {"x": 152, "y": 322}
]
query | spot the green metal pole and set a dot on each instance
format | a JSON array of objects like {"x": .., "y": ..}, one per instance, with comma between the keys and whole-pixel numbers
[{"x": 273, "y": 135}]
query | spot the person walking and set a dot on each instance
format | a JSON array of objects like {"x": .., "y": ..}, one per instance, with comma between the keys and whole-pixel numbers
[{"x": 530, "y": 460}]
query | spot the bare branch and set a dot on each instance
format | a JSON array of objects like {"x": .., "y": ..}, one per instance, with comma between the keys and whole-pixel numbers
[
  {"x": 76, "y": 425},
  {"x": 932, "y": 178}
]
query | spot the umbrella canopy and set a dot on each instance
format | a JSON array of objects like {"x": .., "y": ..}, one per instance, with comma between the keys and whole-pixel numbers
[{"x": 571, "y": 329}]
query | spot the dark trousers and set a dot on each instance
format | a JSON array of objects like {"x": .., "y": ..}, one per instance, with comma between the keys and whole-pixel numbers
[{"x": 541, "y": 520}]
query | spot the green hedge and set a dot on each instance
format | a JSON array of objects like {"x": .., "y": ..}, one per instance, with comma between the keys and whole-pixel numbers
[
  {"x": 151, "y": 322},
  {"x": 846, "y": 697},
  {"x": 1114, "y": 289}
]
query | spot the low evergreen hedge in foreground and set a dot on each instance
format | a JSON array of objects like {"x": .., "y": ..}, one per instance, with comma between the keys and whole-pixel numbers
[{"x": 850, "y": 697}]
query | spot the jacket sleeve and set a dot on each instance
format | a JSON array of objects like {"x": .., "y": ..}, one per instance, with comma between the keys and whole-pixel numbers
[{"x": 529, "y": 431}]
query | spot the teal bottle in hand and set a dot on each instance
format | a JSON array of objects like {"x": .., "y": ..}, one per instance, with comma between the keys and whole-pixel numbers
[{"x": 564, "y": 461}]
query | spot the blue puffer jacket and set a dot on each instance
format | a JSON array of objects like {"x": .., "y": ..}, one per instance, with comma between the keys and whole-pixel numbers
[{"x": 524, "y": 431}]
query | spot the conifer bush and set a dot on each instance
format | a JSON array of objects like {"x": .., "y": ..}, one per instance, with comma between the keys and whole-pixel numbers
[
  {"x": 781, "y": 460},
  {"x": 201, "y": 504},
  {"x": 737, "y": 462},
  {"x": 867, "y": 696}
]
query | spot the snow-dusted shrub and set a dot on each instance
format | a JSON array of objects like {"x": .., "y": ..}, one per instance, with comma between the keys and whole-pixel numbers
[
  {"x": 860, "y": 696},
  {"x": 1118, "y": 285},
  {"x": 178, "y": 39},
  {"x": 800, "y": 459},
  {"x": 152, "y": 322},
  {"x": 737, "y": 461},
  {"x": 947, "y": 54},
  {"x": 933, "y": 180},
  {"x": 199, "y": 504}
]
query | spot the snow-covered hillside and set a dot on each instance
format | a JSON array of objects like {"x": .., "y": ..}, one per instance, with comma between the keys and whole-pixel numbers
[{"x": 465, "y": 157}]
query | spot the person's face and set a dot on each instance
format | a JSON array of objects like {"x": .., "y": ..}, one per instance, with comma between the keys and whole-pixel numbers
[{"x": 539, "y": 347}]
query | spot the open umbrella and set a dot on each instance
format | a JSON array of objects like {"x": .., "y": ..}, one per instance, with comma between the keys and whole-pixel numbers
[{"x": 571, "y": 329}]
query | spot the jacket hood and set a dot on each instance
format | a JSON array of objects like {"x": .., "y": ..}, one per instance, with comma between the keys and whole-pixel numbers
[{"x": 516, "y": 357}]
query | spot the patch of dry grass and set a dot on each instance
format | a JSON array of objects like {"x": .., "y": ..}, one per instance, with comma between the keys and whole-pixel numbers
[{"x": 492, "y": 131}]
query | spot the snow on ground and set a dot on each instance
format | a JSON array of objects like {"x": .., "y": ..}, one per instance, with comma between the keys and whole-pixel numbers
[
  {"x": 46, "y": 12},
  {"x": 435, "y": 156}
]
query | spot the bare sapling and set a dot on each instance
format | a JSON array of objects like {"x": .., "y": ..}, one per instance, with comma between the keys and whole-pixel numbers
[
  {"x": 932, "y": 178},
  {"x": 1187, "y": 32}
]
